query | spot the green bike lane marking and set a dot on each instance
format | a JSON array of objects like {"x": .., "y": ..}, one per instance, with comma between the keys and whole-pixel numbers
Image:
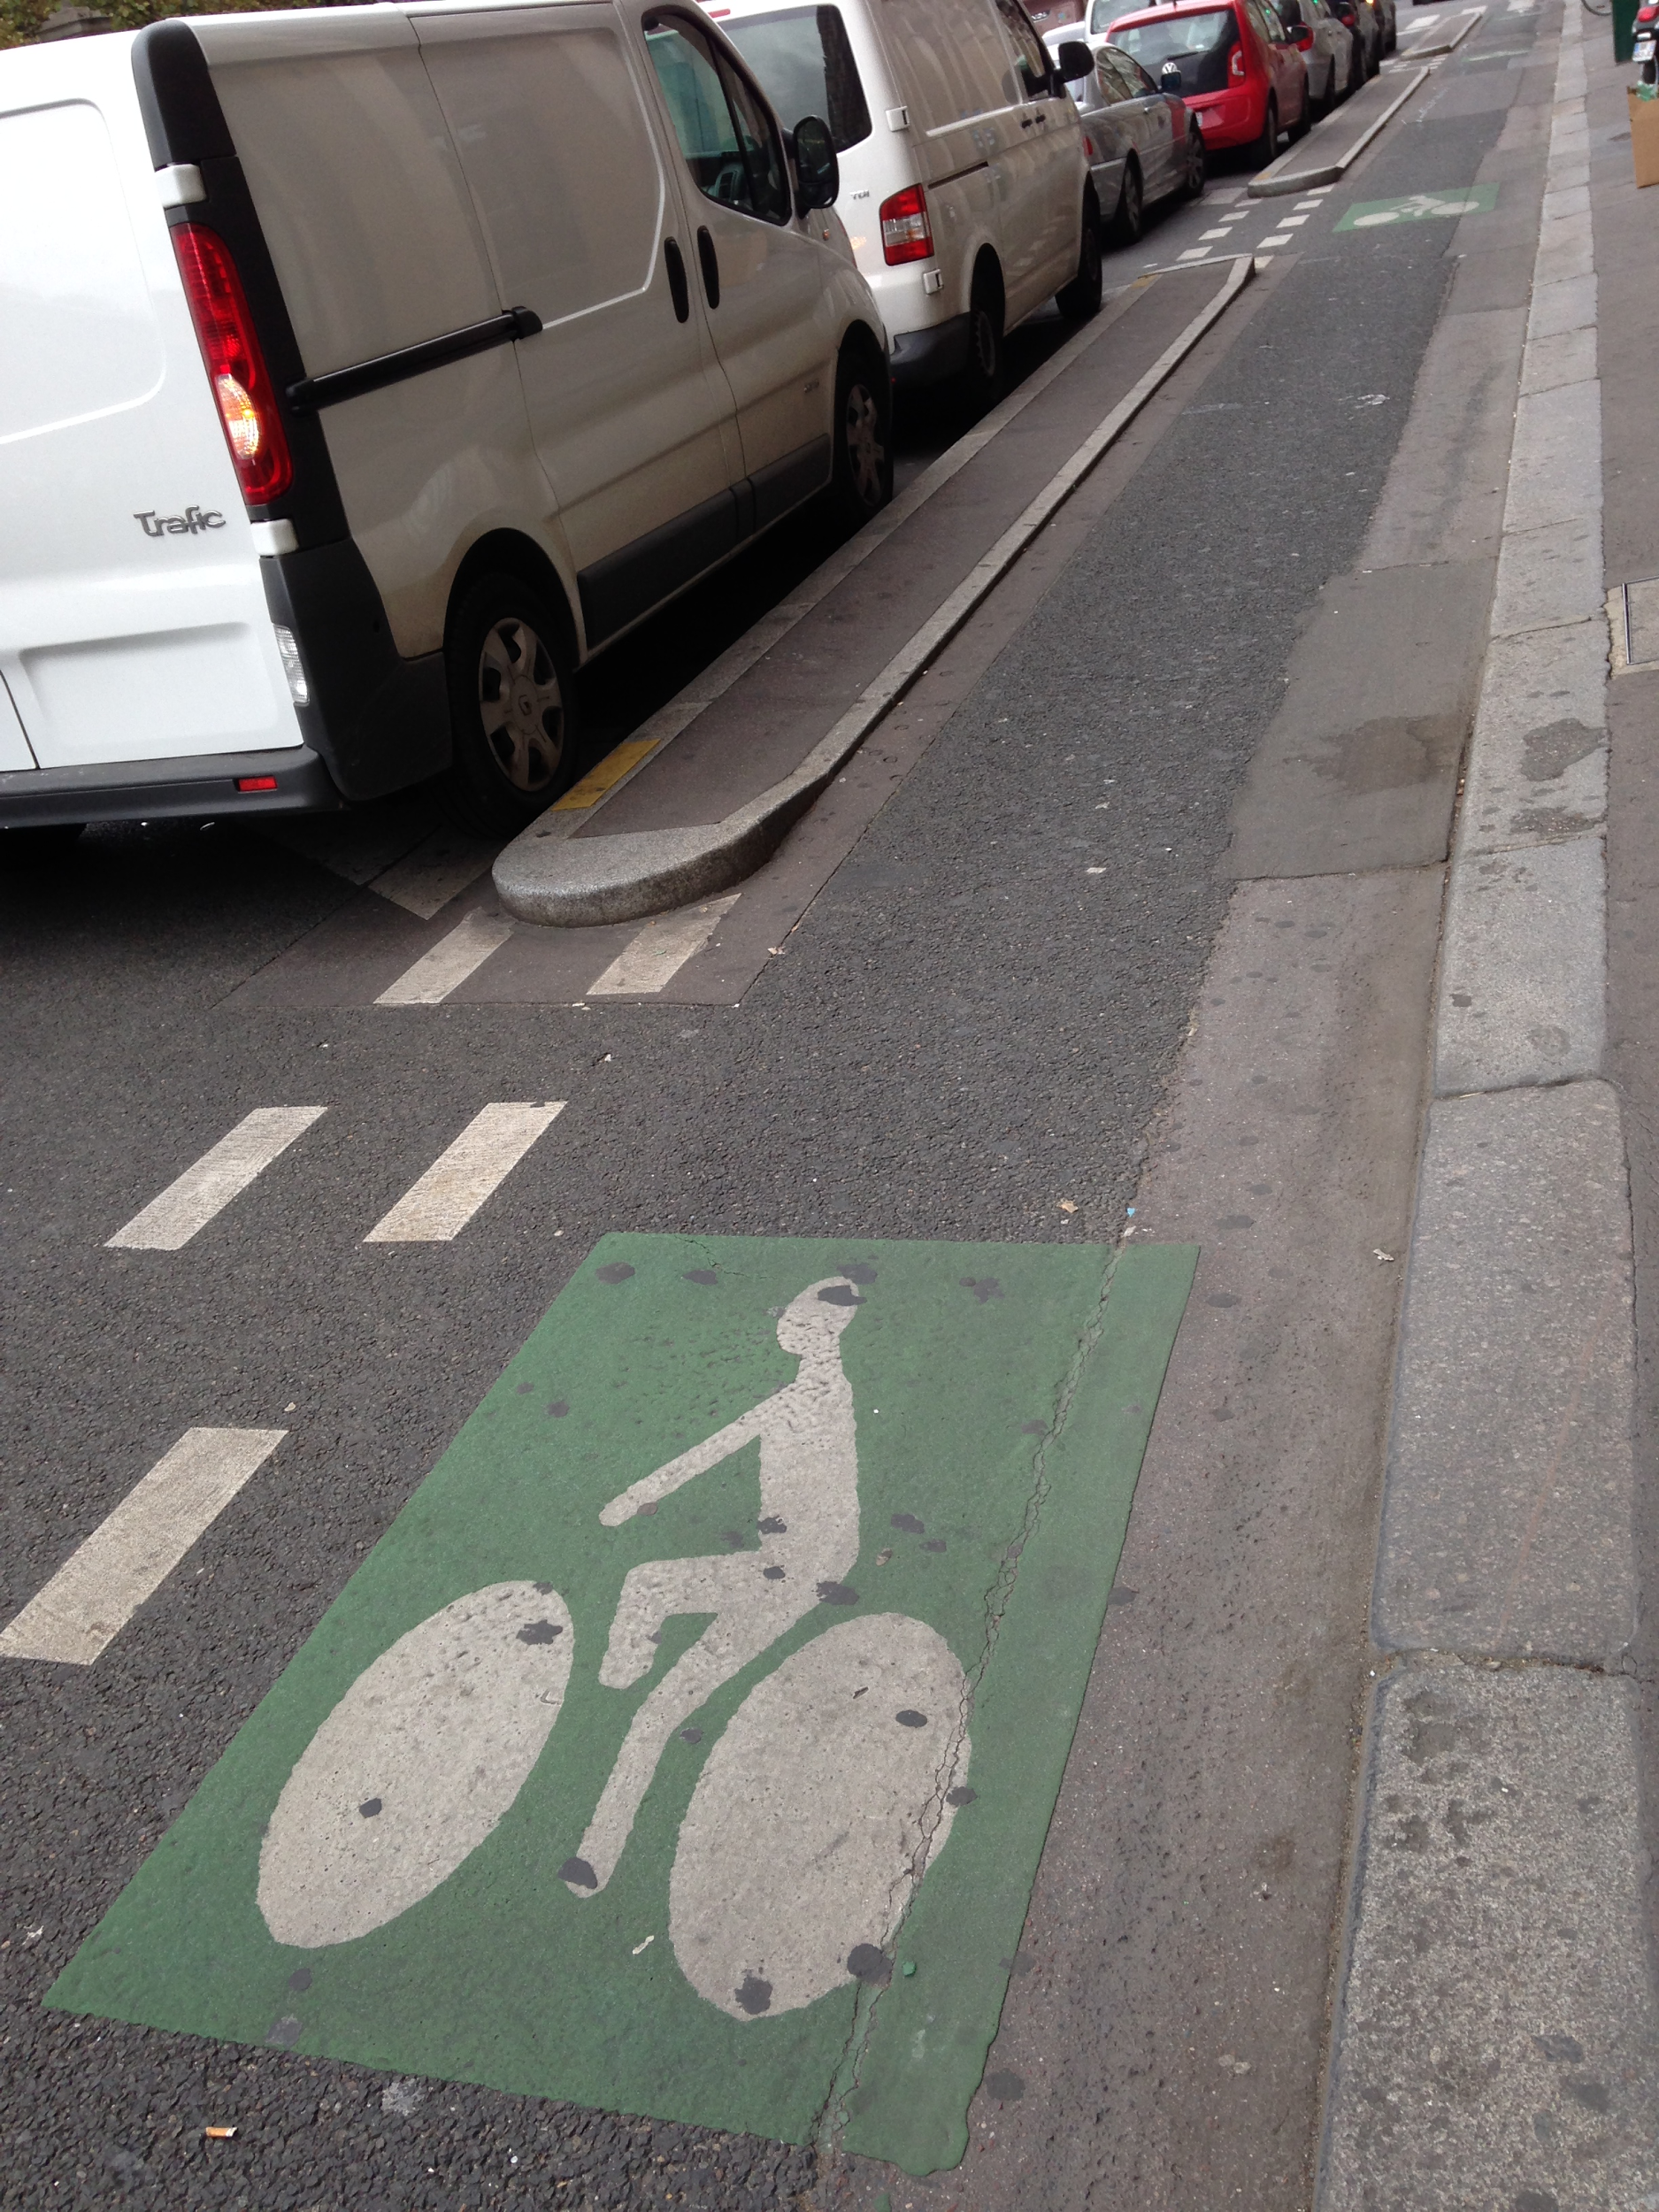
[
  {"x": 769, "y": 1575},
  {"x": 1443, "y": 205}
]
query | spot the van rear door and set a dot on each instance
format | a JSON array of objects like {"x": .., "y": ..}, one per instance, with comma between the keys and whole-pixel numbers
[{"x": 133, "y": 622}]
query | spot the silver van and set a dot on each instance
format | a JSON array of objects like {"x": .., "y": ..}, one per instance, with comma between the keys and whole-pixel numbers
[{"x": 369, "y": 368}]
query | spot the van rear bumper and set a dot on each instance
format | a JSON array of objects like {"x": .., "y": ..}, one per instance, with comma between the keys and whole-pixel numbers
[
  {"x": 151, "y": 790},
  {"x": 927, "y": 357}
]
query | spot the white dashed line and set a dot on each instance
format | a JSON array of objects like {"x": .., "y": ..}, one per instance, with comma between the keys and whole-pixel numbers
[
  {"x": 1195, "y": 253},
  {"x": 128, "y": 1556},
  {"x": 1215, "y": 234},
  {"x": 453, "y": 1188},
  {"x": 450, "y": 963},
  {"x": 1279, "y": 238},
  {"x": 221, "y": 1174},
  {"x": 440, "y": 867},
  {"x": 1290, "y": 222},
  {"x": 650, "y": 961}
]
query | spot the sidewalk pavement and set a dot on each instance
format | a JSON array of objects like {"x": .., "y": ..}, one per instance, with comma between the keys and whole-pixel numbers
[{"x": 1497, "y": 2039}]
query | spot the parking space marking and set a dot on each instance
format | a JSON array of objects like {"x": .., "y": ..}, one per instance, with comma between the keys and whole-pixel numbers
[
  {"x": 655, "y": 957},
  {"x": 752, "y": 1610},
  {"x": 440, "y": 1205},
  {"x": 133, "y": 1551},
  {"x": 450, "y": 960},
  {"x": 221, "y": 1174}
]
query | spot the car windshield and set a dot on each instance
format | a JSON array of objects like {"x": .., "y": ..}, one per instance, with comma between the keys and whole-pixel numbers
[
  {"x": 806, "y": 68},
  {"x": 1198, "y": 45}
]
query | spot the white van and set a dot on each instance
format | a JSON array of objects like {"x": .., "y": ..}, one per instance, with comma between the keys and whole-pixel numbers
[
  {"x": 965, "y": 182},
  {"x": 364, "y": 370}
]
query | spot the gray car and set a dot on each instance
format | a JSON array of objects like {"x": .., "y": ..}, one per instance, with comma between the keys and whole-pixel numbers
[
  {"x": 1327, "y": 47},
  {"x": 1143, "y": 144}
]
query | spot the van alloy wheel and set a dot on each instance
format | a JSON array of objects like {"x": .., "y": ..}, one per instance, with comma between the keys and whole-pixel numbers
[{"x": 520, "y": 706}]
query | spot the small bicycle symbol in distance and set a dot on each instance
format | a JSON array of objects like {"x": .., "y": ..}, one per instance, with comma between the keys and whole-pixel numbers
[{"x": 818, "y": 1810}]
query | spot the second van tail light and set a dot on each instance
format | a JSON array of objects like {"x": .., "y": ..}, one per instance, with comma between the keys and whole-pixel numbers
[
  {"x": 906, "y": 233},
  {"x": 235, "y": 366},
  {"x": 1235, "y": 64}
]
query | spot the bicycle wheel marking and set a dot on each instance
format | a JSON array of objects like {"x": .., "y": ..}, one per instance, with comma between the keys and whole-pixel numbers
[{"x": 572, "y": 1641}]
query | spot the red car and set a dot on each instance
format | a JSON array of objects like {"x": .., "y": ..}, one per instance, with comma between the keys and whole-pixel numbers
[{"x": 1235, "y": 64}]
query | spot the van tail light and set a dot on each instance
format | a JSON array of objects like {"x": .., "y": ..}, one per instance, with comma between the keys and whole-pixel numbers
[
  {"x": 906, "y": 233},
  {"x": 1235, "y": 64},
  {"x": 235, "y": 366}
]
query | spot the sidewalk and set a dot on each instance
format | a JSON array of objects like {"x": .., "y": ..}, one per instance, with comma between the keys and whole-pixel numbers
[{"x": 1497, "y": 2042}]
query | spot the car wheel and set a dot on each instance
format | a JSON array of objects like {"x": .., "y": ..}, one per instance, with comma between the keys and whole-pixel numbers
[
  {"x": 1266, "y": 147},
  {"x": 36, "y": 844},
  {"x": 1081, "y": 298},
  {"x": 861, "y": 481},
  {"x": 1300, "y": 128},
  {"x": 1196, "y": 169},
  {"x": 511, "y": 708},
  {"x": 1131, "y": 216},
  {"x": 1373, "y": 61},
  {"x": 983, "y": 376}
]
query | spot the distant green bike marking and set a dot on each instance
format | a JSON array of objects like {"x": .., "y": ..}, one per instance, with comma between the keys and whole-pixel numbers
[
  {"x": 730, "y": 1656},
  {"x": 1446, "y": 205}
]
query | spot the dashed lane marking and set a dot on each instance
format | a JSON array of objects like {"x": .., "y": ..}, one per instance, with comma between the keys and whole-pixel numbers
[
  {"x": 128, "y": 1556},
  {"x": 440, "y": 1205},
  {"x": 450, "y": 960},
  {"x": 660, "y": 950},
  {"x": 221, "y": 1174}
]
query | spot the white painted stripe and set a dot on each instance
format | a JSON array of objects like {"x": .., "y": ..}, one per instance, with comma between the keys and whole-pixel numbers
[
  {"x": 440, "y": 866},
  {"x": 453, "y": 1188},
  {"x": 1195, "y": 253},
  {"x": 654, "y": 958},
  {"x": 128, "y": 1556},
  {"x": 219, "y": 1176},
  {"x": 450, "y": 960}
]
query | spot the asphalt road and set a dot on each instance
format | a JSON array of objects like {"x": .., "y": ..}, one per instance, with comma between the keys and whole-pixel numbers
[{"x": 969, "y": 1028}]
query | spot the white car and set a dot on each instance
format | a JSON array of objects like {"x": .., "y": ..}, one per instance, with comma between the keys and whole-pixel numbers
[
  {"x": 371, "y": 367},
  {"x": 964, "y": 186}
]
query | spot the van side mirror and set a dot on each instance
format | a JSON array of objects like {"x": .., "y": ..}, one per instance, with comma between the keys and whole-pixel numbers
[
  {"x": 1073, "y": 62},
  {"x": 817, "y": 173}
]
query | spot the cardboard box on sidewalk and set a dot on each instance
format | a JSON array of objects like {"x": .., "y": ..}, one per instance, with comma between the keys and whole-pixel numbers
[{"x": 1644, "y": 136}]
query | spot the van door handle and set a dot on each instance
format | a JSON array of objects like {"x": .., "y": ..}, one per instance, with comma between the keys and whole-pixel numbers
[
  {"x": 711, "y": 266},
  {"x": 678, "y": 289}
]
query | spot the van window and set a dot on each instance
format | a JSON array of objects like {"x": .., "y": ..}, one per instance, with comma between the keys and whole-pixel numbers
[
  {"x": 562, "y": 163},
  {"x": 1031, "y": 55},
  {"x": 806, "y": 68},
  {"x": 1197, "y": 44},
  {"x": 77, "y": 334},
  {"x": 363, "y": 203},
  {"x": 730, "y": 143},
  {"x": 949, "y": 76}
]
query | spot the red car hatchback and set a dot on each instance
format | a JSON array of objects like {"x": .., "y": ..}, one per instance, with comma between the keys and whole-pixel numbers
[{"x": 1235, "y": 64}]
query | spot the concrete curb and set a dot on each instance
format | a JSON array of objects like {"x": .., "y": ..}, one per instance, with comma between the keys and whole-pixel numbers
[
  {"x": 1496, "y": 2041},
  {"x": 1277, "y": 178},
  {"x": 542, "y": 877}
]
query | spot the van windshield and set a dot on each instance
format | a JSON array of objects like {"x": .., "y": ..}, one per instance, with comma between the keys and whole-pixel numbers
[
  {"x": 806, "y": 68},
  {"x": 1197, "y": 44}
]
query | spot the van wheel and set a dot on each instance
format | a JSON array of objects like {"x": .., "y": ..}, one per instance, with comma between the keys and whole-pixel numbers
[
  {"x": 1131, "y": 215},
  {"x": 511, "y": 709},
  {"x": 982, "y": 379},
  {"x": 861, "y": 479},
  {"x": 1081, "y": 298}
]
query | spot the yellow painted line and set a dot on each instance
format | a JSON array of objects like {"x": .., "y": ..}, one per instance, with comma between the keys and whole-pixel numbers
[{"x": 610, "y": 771}]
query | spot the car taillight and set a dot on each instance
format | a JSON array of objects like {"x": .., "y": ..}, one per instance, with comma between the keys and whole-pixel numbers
[
  {"x": 235, "y": 366},
  {"x": 1235, "y": 64},
  {"x": 906, "y": 234}
]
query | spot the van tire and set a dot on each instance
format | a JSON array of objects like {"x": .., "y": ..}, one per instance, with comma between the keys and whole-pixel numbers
[
  {"x": 1081, "y": 299},
  {"x": 861, "y": 472},
  {"x": 507, "y": 765},
  {"x": 982, "y": 377}
]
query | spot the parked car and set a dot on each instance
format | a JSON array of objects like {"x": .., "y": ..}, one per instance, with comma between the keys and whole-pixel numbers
[
  {"x": 964, "y": 183},
  {"x": 1364, "y": 27},
  {"x": 1326, "y": 46},
  {"x": 444, "y": 448},
  {"x": 1142, "y": 144},
  {"x": 1233, "y": 65}
]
